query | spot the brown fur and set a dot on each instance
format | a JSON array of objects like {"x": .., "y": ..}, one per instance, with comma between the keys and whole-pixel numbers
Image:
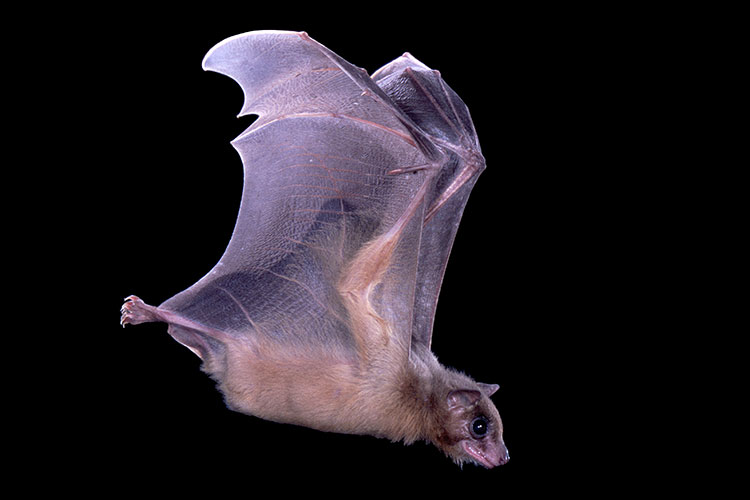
[{"x": 314, "y": 389}]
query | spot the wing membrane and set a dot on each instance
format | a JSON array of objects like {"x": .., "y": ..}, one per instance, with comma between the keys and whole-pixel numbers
[
  {"x": 316, "y": 191},
  {"x": 442, "y": 116}
]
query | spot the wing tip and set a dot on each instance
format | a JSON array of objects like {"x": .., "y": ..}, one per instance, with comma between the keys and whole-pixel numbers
[
  {"x": 406, "y": 60},
  {"x": 211, "y": 61},
  {"x": 222, "y": 58}
]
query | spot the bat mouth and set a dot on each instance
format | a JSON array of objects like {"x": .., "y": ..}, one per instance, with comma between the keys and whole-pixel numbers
[{"x": 481, "y": 457}]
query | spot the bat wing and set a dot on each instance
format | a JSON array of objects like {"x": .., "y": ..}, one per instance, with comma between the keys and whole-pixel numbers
[
  {"x": 353, "y": 190},
  {"x": 440, "y": 113},
  {"x": 321, "y": 189}
]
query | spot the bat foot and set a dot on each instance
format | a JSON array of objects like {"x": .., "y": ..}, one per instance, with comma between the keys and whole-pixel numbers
[{"x": 135, "y": 311}]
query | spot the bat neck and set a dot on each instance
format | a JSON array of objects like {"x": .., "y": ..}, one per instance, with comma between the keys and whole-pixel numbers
[{"x": 420, "y": 390}]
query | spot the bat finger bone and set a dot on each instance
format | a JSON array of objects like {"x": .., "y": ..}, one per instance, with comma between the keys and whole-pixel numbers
[{"x": 415, "y": 168}]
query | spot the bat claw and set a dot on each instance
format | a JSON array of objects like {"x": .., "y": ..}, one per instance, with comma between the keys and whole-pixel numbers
[{"x": 135, "y": 311}]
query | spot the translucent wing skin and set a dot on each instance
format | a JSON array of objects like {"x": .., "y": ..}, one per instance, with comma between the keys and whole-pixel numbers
[
  {"x": 433, "y": 106},
  {"x": 352, "y": 184}
]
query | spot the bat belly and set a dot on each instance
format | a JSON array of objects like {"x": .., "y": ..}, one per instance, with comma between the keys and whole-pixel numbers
[{"x": 320, "y": 392}]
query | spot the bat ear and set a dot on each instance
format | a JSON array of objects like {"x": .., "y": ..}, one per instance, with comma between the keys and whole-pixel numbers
[
  {"x": 488, "y": 389},
  {"x": 463, "y": 398}
]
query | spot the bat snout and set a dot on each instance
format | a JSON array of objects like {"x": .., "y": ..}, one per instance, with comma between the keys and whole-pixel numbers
[
  {"x": 497, "y": 454},
  {"x": 504, "y": 457},
  {"x": 489, "y": 454}
]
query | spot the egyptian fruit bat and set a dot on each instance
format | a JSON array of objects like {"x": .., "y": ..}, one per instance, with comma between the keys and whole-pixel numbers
[{"x": 320, "y": 311}]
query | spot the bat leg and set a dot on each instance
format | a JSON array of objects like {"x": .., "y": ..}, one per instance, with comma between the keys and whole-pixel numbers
[
  {"x": 134, "y": 311},
  {"x": 201, "y": 341},
  {"x": 194, "y": 340}
]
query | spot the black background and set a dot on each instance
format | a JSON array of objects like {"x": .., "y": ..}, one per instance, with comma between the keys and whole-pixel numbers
[{"x": 527, "y": 294}]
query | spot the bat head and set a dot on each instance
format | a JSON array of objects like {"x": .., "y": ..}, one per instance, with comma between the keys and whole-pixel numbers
[{"x": 471, "y": 429}]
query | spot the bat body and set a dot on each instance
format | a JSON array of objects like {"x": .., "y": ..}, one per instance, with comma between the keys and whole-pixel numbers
[{"x": 320, "y": 311}]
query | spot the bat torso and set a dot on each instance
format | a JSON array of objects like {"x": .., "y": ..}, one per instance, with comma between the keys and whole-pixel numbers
[{"x": 324, "y": 391}]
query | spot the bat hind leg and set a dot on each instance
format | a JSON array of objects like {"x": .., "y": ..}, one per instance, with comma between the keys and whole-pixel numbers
[
  {"x": 134, "y": 311},
  {"x": 205, "y": 342}
]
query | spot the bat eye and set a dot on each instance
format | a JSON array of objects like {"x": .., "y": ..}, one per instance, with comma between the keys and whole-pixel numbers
[{"x": 479, "y": 427}]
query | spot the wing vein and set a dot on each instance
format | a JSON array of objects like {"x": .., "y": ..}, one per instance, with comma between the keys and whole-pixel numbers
[
  {"x": 434, "y": 103},
  {"x": 242, "y": 308}
]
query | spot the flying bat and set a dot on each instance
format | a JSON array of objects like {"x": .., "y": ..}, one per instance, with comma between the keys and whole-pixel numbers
[{"x": 320, "y": 311}]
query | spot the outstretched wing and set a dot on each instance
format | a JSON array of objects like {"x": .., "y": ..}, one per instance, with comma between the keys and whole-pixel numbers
[
  {"x": 440, "y": 113},
  {"x": 333, "y": 203},
  {"x": 353, "y": 191}
]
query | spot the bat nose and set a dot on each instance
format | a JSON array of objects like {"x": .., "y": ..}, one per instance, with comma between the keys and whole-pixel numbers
[{"x": 501, "y": 455}]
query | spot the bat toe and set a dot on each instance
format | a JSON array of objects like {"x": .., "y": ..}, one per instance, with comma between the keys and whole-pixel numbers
[{"x": 134, "y": 311}]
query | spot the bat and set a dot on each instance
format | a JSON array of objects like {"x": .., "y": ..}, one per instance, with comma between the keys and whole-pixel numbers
[{"x": 320, "y": 311}]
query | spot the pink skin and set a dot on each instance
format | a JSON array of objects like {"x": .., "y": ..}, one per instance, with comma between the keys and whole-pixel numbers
[{"x": 489, "y": 458}]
